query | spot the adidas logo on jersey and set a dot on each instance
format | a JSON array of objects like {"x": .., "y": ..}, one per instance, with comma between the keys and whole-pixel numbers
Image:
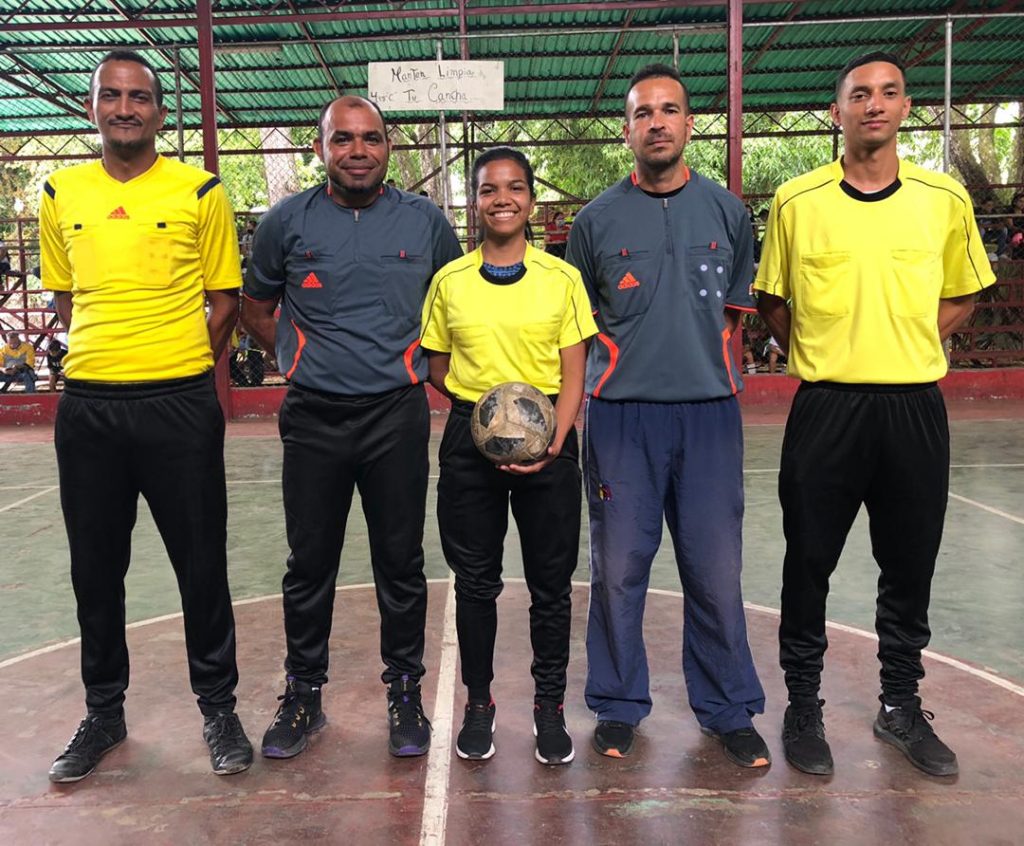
[
  {"x": 628, "y": 281},
  {"x": 118, "y": 214},
  {"x": 311, "y": 281}
]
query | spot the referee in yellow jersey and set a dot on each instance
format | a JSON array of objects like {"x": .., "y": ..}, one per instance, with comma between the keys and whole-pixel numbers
[
  {"x": 134, "y": 248},
  {"x": 869, "y": 264}
]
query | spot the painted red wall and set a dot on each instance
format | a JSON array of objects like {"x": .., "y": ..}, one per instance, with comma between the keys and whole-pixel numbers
[{"x": 763, "y": 389}]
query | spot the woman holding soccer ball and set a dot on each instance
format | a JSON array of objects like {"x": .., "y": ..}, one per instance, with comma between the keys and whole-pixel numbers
[{"x": 507, "y": 312}]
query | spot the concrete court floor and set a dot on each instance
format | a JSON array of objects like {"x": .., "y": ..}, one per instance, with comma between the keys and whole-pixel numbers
[{"x": 977, "y": 594}]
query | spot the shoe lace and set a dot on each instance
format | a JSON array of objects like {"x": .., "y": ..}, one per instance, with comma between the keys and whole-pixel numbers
[
  {"x": 83, "y": 736},
  {"x": 405, "y": 706},
  {"x": 289, "y": 708},
  {"x": 478, "y": 717},
  {"x": 225, "y": 728},
  {"x": 548, "y": 717},
  {"x": 913, "y": 723},
  {"x": 810, "y": 719}
]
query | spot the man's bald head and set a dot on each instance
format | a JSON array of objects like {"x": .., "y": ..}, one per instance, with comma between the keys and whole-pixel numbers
[{"x": 349, "y": 101}]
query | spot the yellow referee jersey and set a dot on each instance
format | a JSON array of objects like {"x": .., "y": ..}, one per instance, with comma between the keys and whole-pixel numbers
[
  {"x": 137, "y": 257},
  {"x": 505, "y": 332},
  {"x": 864, "y": 273}
]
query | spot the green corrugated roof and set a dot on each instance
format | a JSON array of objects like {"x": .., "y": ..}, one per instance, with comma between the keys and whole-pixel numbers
[{"x": 269, "y": 72}]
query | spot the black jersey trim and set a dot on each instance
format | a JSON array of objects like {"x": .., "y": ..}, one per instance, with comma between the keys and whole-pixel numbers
[
  {"x": 50, "y": 190},
  {"x": 967, "y": 228},
  {"x": 662, "y": 195},
  {"x": 209, "y": 186},
  {"x": 828, "y": 181}
]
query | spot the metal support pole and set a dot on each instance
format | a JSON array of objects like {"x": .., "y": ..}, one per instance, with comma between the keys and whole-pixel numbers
[
  {"x": 675, "y": 50},
  {"x": 207, "y": 86},
  {"x": 734, "y": 153},
  {"x": 208, "y": 106},
  {"x": 466, "y": 152},
  {"x": 442, "y": 129},
  {"x": 179, "y": 118},
  {"x": 949, "y": 95}
]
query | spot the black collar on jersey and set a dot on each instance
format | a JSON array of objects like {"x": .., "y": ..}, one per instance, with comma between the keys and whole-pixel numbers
[
  {"x": 503, "y": 280},
  {"x": 874, "y": 196},
  {"x": 660, "y": 195}
]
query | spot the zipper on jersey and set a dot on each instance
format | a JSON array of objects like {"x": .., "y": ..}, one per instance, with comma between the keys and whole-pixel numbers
[{"x": 668, "y": 226}]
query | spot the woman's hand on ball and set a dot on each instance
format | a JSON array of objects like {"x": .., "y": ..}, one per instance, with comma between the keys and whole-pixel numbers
[{"x": 534, "y": 466}]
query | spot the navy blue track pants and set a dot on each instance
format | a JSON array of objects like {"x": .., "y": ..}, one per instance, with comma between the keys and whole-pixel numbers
[{"x": 645, "y": 463}]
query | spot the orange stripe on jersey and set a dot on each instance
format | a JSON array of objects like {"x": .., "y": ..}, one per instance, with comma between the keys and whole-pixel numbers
[
  {"x": 407, "y": 358},
  {"x": 298, "y": 351},
  {"x": 725, "y": 358},
  {"x": 613, "y": 358}
]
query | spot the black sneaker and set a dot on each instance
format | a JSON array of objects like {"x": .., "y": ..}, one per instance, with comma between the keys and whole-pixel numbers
[
  {"x": 554, "y": 745},
  {"x": 803, "y": 738},
  {"x": 476, "y": 740},
  {"x": 613, "y": 738},
  {"x": 298, "y": 716},
  {"x": 409, "y": 729},
  {"x": 907, "y": 728},
  {"x": 230, "y": 750},
  {"x": 93, "y": 739},
  {"x": 743, "y": 746}
]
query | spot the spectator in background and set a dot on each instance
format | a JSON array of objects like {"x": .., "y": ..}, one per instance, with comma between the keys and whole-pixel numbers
[
  {"x": 994, "y": 231},
  {"x": 245, "y": 241},
  {"x": 1015, "y": 226},
  {"x": 19, "y": 363},
  {"x": 556, "y": 234},
  {"x": 5, "y": 261},
  {"x": 55, "y": 353},
  {"x": 774, "y": 353}
]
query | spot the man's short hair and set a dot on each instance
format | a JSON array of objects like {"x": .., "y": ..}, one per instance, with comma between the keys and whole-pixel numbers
[
  {"x": 867, "y": 59},
  {"x": 128, "y": 56},
  {"x": 327, "y": 107},
  {"x": 659, "y": 71}
]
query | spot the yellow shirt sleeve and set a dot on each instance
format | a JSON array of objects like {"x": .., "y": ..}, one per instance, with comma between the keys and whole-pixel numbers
[
  {"x": 218, "y": 242},
  {"x": 773, "y": 271},
  {"x": 435, "y": 335},
  {"x": 965, "y": 265},
  {"x": 53, "y": 254},
  {"x": 578, "y": 321}
]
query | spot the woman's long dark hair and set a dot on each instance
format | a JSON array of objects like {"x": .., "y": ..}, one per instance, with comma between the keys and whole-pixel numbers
[{"x": 496, "y": 154}]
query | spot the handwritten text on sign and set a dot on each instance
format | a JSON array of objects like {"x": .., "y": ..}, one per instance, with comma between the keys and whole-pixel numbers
[{"x": 436, "y": 86}]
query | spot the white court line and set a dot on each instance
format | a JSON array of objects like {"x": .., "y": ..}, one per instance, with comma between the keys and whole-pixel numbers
[
  {"x": 984, "y": 675},
  {"x": 435, "y": 787},
  {"x": 983, "y": 466},
  {"x": 750, "y": 471},
  {"x": 138, "y": 624},
  {"x": 951, "y": 467},
  {"x": 28, "y": 498},
  {"x": 927, "y": 653},
  {"x": 987, "y": 508}
]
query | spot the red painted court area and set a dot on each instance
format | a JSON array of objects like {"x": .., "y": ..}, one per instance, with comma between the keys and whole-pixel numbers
[{"x": 345, "y": 789}]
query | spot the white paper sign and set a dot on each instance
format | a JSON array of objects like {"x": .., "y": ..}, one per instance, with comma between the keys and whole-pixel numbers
[{"x": 437, "y": 86}]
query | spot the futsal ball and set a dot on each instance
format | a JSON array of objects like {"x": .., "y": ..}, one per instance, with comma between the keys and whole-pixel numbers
[{"x": 513, "y": 423}]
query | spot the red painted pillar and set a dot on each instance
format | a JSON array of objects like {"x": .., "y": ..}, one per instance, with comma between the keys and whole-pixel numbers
[
  {"x": 208, "y": 110},
  {"x": 734, "y": 152}
]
